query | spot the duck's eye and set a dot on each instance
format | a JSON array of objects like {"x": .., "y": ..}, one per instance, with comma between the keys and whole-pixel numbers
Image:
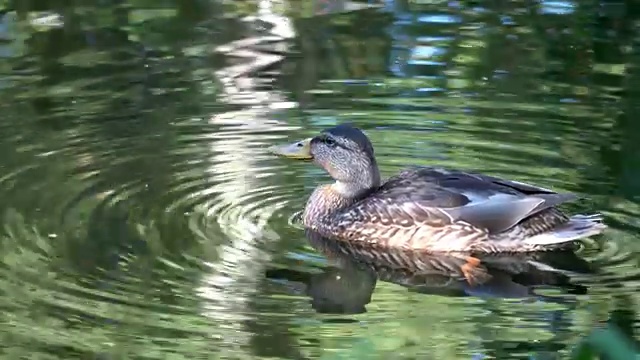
[{"x": 329, "y": 142}]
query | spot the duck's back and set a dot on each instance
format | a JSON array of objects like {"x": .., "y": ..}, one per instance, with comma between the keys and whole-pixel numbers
[{"x": 440, "y": 187}]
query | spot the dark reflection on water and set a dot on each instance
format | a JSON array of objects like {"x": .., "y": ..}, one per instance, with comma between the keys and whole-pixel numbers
[
  {"x": 347, "y": 287},
  {"x": 140, "y": 211}
]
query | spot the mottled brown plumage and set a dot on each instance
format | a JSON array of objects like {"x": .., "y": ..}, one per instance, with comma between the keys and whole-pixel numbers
[{"x": 425, "y": 208}]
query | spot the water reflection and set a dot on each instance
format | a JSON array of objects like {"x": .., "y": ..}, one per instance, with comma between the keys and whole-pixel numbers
[
  {"x": 140, "y": 210},
  {"x": 346, "y": 287}
]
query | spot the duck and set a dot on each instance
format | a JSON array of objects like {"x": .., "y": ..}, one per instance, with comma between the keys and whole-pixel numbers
[{"x": 424, "y": 208}]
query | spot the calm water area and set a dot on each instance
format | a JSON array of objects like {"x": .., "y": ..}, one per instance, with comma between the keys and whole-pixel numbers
[{"x": 141, "y": 216}]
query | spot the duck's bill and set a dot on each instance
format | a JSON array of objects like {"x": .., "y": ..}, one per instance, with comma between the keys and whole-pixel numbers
[{"x": 300, "y": 150}]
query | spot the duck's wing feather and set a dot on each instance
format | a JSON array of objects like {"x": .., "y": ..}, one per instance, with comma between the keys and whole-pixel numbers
[{"x": 439, "y": 197}]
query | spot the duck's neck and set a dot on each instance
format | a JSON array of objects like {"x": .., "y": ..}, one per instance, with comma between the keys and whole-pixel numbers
[
  {"x": 329, "y": 199},
  {"x": 325, "y": 200}
]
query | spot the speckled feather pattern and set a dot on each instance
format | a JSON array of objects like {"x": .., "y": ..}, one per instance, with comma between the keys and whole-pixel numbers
[{"x": 413, "y": 210}]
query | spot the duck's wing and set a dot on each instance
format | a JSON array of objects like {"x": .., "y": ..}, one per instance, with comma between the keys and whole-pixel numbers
[
  {"x": 438, "y": 197},
  {"x": 469, "y": 183}
]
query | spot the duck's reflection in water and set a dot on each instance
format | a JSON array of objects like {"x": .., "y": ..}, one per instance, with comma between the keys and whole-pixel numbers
[{"x": 346, "y": 286}]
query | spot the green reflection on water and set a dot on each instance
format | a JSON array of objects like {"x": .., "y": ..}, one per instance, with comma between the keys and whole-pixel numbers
[{"x": 140, "y": 210}]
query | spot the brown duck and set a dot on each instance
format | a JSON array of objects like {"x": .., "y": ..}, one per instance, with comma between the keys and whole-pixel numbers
[{"x": 427, "y": 208}]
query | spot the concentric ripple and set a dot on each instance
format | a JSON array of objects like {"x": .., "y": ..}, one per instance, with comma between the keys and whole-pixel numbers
[{"x": 137, "y": 225}]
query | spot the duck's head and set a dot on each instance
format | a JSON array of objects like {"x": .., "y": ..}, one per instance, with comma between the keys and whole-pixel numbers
[{"x": 344, "y": 152}]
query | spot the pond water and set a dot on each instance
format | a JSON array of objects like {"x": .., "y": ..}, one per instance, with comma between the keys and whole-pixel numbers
[{"x": 142, "y": 216}]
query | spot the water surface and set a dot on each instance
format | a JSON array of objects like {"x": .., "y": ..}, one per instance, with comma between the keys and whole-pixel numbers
[{"x": 143, "y": 218}]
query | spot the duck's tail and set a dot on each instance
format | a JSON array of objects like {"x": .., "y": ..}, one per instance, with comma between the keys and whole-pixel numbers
[{"x": 578, "y": 227}]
